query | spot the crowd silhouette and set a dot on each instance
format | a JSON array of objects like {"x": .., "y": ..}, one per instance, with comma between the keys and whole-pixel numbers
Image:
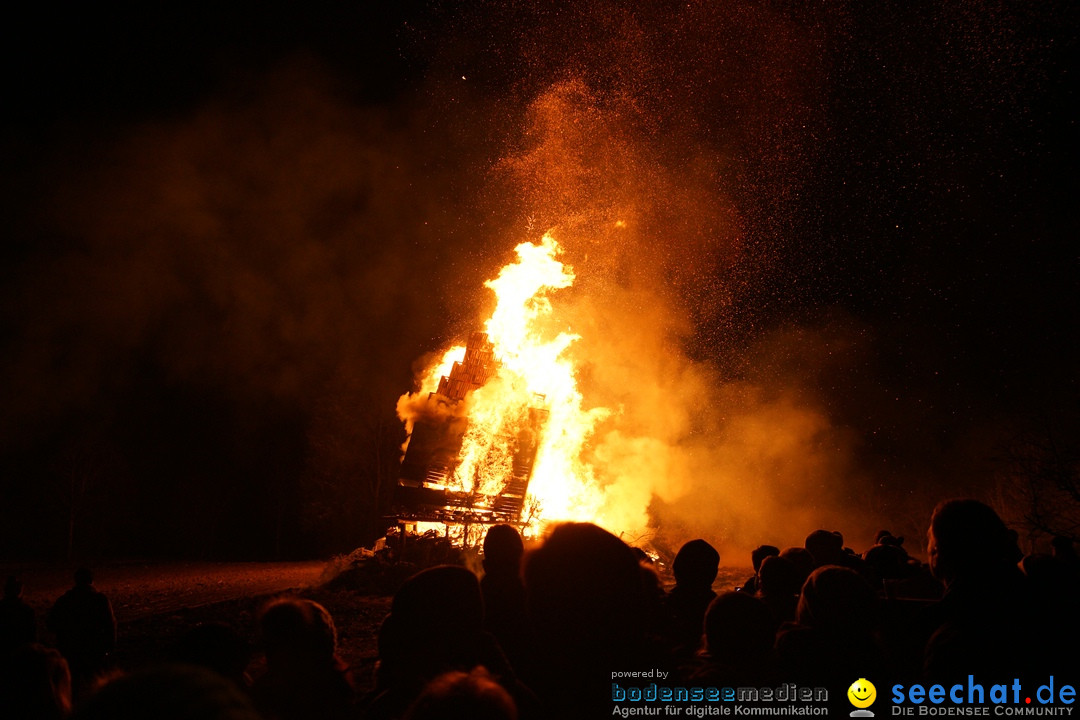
[{"x": 540, "y": 633}]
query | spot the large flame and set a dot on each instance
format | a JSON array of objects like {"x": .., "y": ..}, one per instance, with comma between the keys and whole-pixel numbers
[{"x": 535, "y": 372}]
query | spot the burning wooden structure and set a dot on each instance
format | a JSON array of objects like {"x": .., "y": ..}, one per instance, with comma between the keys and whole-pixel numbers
[{"x": 430, "y": 486}]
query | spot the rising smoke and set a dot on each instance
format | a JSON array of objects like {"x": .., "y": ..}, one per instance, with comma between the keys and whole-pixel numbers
[{"x": 686, "y": 451}]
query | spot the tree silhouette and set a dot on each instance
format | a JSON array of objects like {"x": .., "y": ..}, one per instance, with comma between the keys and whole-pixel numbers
[{"x": 1042, "y": 473}]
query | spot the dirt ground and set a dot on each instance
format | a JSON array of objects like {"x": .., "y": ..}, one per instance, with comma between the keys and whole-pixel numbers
[
  {"x": 156, "y": 603},
  {"x": 137, "y": 590}
]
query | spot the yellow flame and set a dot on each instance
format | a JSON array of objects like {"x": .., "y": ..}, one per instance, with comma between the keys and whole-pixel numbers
[
  {"x": 430, "y": 381},
  {"x": 535, "y": 372}
]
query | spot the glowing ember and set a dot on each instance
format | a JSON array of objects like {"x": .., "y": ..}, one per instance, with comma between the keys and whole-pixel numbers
[{"x": 504, "y": 401}]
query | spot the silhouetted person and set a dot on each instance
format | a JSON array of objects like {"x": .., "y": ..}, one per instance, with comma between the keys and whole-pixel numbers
[
  {"x": 695, "y": 568},
  {"x": 738, "y": 647},
  {"x": 34, "y": 683},
  {"x": 218, "y": 647},
  {"x": 884, "y": 537},
  {"x": 180, "y": 692},
  {"x": 891, "y": 570},
  {"x": 779, "y": 583},
  {"x": 85, "y": 628},
  {"x": 463, "y": 696},
  {"x": 504, "y": 590},
  {"x": 586, "y": 601},
  {"x": 435, "y": 626},
  {"x": 654, "y": 588},
  {"x": 654, "y": 595},
  {"x": 966, "y": 541},
  {"x": 827, "y": 548},
  {"x": 834, "y": 635},
  {"x": 985, "y": 619},
  {"x": 17, "y": 623},
  {"x": 801, "y": 560},
  {"x": 304, "y": 677},
  {"x": 757, "y": 555},
  {"x": 886, "y": 562}
]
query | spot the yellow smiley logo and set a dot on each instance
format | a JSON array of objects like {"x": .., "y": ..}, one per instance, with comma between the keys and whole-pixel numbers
[{"x": 862, "y": 693}]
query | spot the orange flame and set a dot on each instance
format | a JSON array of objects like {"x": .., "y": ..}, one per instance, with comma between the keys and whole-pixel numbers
[{"x": 535, "y": 371}]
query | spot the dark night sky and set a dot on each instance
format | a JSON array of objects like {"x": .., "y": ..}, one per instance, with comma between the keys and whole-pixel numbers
[{"x": 229, "y": 233}]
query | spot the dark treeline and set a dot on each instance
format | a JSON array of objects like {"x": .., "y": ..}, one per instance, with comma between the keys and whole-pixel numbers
[{"x": 203, "y": 477}]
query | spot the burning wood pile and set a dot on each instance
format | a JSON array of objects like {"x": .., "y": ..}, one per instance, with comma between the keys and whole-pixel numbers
[
  {"x": 428, "y": 487},
  {"x": 497, "y": 430}
]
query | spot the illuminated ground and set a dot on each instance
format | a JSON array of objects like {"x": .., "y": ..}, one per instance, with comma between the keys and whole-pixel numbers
[
  {"x": 140, "y": 590},
  {"x": 155, "y": 604}
]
